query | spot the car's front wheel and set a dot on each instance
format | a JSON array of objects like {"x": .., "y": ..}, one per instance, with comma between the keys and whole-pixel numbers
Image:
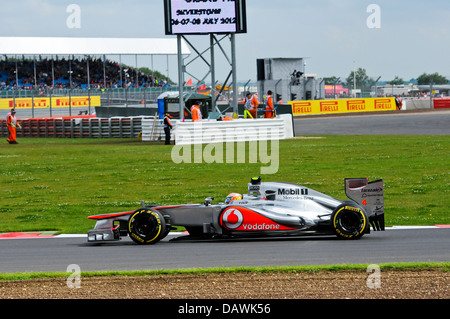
[{"x": 146, "y": 226}]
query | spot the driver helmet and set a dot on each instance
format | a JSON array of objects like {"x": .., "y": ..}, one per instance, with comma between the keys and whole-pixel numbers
[{"x": 233, "y": 196}]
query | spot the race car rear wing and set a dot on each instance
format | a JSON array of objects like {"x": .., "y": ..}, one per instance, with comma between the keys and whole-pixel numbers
[{"x": 370, "y": 196}]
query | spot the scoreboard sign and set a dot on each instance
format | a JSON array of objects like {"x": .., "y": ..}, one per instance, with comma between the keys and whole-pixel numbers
[{"x": 205, "y": 16}]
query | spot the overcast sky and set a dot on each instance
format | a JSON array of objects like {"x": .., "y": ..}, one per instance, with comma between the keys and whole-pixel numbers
[{"x": 413, "y": 37}]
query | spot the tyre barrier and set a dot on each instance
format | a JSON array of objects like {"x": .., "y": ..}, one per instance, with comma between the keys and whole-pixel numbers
[{"x": 120, "y": 127}]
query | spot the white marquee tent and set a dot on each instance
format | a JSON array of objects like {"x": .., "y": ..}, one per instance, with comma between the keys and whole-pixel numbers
[
  {"x": 89, "y": 46},
  {"x": 57, "y": 46}
]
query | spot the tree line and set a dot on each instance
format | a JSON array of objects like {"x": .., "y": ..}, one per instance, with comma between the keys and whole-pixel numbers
[{"x": 364, "y": 82}]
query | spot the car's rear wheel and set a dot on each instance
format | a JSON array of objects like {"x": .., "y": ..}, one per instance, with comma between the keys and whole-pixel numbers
[
  {"x": 349, "y": 221},
  {"x": 146, "y": 226}
]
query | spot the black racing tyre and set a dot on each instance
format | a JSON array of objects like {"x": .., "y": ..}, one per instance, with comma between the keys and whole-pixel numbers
[
  {"x": 349, "y": 221},
  {"x": 146, "y": 226}
]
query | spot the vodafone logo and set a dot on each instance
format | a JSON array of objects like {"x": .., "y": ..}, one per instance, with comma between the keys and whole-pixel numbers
[{"x": 232, "y": 218}]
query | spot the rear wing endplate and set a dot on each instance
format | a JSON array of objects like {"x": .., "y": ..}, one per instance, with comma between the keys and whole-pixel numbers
[{"x": 370, "y": 195}]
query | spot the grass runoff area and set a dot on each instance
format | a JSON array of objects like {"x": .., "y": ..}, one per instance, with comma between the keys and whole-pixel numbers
[{"x": 55, "y": 184}]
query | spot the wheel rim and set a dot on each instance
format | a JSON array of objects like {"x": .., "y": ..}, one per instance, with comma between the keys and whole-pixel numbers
[
  {"x": 350, "y": 222},
  {"x": 145, "y": 226}
]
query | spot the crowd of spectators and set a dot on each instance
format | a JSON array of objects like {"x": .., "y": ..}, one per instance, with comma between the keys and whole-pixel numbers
[{"x": 63, "y": 73}]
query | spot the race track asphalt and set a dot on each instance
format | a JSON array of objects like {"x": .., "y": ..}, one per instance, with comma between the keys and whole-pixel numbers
[
  {"x": 434, "y": 122},
  {"x": 390, "y": 246}
]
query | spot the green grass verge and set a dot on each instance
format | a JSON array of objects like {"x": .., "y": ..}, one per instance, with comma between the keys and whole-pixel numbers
[
  {"x": 443, "y": 266},
  {"x": 55, "y": 184}
]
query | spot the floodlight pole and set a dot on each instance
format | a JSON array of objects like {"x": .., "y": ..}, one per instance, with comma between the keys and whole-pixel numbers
[
  {"x": 233, "y": 68},
  {"x": 213, "y": 72},
  {"x": 53, "y": 76},
  {"x": 88, "y": 75}
]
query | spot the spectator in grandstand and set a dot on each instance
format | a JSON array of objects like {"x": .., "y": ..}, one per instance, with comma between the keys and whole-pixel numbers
[{"x": 102, "y": 74}]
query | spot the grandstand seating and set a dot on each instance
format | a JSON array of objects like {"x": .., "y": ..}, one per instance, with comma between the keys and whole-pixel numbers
[{"x": 97, "y": 73}]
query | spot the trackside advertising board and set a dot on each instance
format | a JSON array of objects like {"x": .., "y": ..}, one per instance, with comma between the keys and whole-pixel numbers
[
  {"x": 442, "y": 103},
  {"x": 342, "y": 106},
  {"x": 44, "y": 102}
]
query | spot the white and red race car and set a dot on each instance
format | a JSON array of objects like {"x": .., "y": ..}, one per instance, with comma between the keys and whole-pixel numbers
[{"x": 269, "y": 209}]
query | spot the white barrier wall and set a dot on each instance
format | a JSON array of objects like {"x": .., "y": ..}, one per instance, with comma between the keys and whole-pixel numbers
[
  {"x": 212, "y": 131},
  {"x": 416, "y": 104}
]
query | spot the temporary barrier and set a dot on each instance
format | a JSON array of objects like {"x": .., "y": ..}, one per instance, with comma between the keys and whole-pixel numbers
[
  {"x": 416, "y": 104},
  {"x": 153, "y": 129},
  {"x": 343, "y": 106},
  {"x": 88, "y": 127},
  {"x": 213, "y": 131}
]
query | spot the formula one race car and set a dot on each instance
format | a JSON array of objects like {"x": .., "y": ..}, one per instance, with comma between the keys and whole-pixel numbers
[{"x": 269, "y": 209}]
